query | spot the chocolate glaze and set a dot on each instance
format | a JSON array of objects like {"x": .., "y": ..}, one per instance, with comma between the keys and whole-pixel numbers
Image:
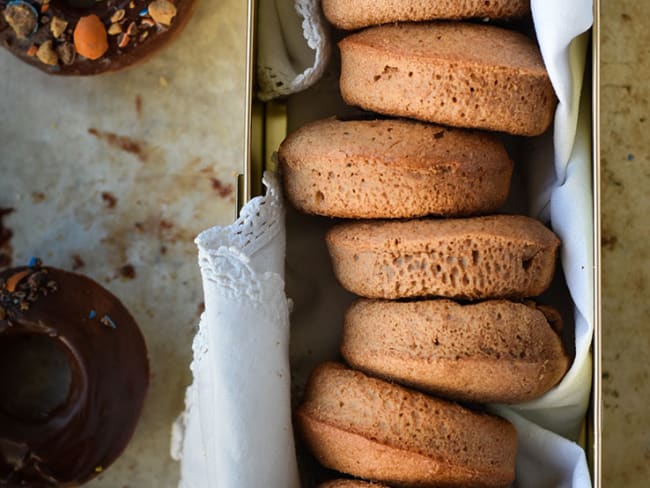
[
  {"x": 110, "y": 376},
  {"x": 115, "y": 58}
]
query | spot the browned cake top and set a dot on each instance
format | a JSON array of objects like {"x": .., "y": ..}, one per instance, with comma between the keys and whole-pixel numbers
[
  {"x": 490, "y": 45},
  {"x": 404, "y": 143}
]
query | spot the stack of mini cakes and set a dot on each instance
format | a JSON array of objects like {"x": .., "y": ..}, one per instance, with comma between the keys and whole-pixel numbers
[{"x": 428, "y": 196}]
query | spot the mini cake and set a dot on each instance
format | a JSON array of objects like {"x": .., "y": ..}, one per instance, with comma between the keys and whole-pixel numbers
[
  {"x": 354, "y": 14},
  {"x": 489, "y": 352},
  {"x": 88, "y": 37},
  {"x": 458, "y": 74},
  {"x": 500, "y": 256},
  {"x": 393, "y": 168},
  {"x": 350, "y": 484},
  {"x": 376, "y": 430},
  {"x": 103, "y": 356}
]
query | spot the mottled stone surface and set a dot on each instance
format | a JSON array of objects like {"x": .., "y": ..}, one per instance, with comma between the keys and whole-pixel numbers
[
  {"x": 114, "y": 176},
  {"x": 625, "y": 99}
]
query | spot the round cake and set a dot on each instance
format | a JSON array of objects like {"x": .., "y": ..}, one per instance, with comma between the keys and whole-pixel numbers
[
  {"x": 495, "y": 351},
  {"x": 450, "y": 73},
  {"x": 73, "y": 376},
  {"x": 379, "y": 431},
  {"x": 393, "y": 169},
  {"x": 88, "y": 37},
  {"x": 499, "y": 256},
  {"x": 349, "y": 484},
  {"x": 354, "y": 14}
]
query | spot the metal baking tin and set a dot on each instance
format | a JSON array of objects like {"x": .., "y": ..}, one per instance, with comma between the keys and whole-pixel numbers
[{"x": 266, "y": 123}]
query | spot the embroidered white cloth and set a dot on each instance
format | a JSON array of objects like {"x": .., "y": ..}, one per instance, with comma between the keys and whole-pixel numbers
[
  {"x": 236, "y": 429},
  {"x": 292, "y": 46}
]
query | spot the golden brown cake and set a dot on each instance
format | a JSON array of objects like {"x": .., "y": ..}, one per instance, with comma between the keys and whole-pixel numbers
[
  {"x": 350, "y": 484},
  {"x": 489, "y": 352},
  {"x": 451, "y": 73},
  {"x": 376, "y": 430},
  {"x": 499, "y": 256},
  {"x": 393, "y": 168},
  {"x": 354, "y": 14}
]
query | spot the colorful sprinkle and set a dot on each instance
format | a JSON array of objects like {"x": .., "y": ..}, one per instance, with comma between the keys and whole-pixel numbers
[
  {"x": 108, "y": 322},
  {"x": 35, "y": 262},
  {"x": 14, "y": 279},
  {"x": 92, "y": 314},
  {"x": 143, "y": 13}
]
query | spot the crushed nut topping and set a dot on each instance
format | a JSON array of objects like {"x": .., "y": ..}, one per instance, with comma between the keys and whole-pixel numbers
[{"x": 22, "y": 17}]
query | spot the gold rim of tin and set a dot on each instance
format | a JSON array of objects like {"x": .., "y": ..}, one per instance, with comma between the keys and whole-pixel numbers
[
  {"x": 596, "y": 438},
  {"x": 244, "y": 193}
]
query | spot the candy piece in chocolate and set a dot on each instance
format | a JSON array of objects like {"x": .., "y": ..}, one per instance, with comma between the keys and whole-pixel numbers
[
  {"x": 90, "y": 38},
  {"x": 47, "y": 54},
  {"x": 162, "y": 11},
  {"x": 88, "y": 35},
  {"x": 22, "y": 17},
  {"x": 58, "y": 26},
  {"x": 73, "y": 376}
]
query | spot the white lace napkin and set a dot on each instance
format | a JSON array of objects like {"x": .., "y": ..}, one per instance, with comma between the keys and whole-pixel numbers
[
  {"x": 236, "y": 429},
  {"x": 292, "y": 46}
]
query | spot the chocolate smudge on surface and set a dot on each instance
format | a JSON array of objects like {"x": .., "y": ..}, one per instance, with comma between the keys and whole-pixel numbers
[
  {"x": 127, "y": 271},
  {"x": 223, "y": 190},
  {"x": 109, "y": 199},
  {"x": 123, "y": 143},
  {"x": 77, "y": 262}
]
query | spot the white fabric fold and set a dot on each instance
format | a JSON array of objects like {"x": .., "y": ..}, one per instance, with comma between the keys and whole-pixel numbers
[
  {"x": 236, "y": 430},
  {"x": 545, "y": 459},
  {"x": 292, "y": 46},
  {"x": 562, "y": 192}
]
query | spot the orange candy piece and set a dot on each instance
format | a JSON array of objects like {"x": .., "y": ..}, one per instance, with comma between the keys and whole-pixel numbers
[
  {"x": 90, "y": 38},
  {"x": 16, "y": 278}
]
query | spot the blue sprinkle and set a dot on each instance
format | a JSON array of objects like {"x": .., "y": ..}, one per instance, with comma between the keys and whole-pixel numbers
[
  {"x": 630, "y": 157},
  {"x": 92, "y": 314},
  {"x": 108, "y": 322},
  {"x": 34, "y": 262},
  {"x": 144, "y": 13}
]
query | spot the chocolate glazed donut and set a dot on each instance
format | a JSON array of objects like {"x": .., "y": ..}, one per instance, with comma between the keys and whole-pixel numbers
[
  {"x": 88, "y": 37},
  {"x": 105, "y": 360}
]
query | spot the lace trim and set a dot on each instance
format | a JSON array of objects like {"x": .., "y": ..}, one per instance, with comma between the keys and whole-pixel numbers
[
  {"x": 274, "y": 81},
  {"x": 259, "y": 222}
]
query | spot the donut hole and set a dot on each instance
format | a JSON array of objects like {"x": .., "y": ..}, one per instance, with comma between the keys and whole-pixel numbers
[{"x": 35, "y": 376}]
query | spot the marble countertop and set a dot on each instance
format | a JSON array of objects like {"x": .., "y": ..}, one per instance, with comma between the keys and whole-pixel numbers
[{"x": 625, "y": 173}]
